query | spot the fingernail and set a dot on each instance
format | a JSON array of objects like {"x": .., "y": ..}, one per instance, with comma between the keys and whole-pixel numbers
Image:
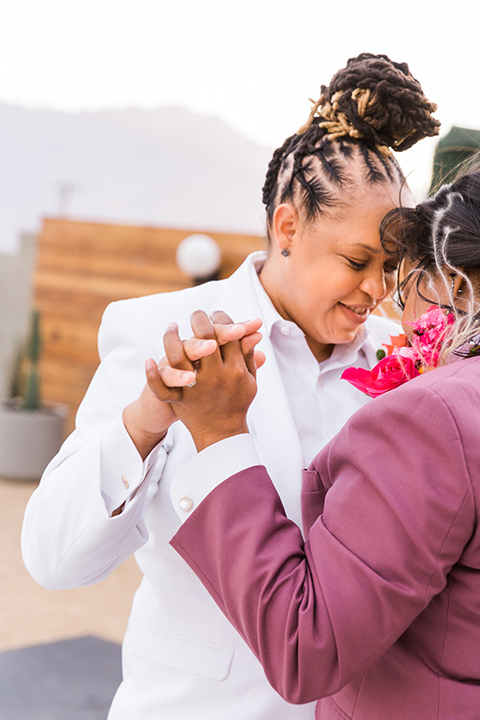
[
  {"x": 172, "y": 326},
  {"x": 193, "y": 379},
  {"x": 212, "y": 312}
]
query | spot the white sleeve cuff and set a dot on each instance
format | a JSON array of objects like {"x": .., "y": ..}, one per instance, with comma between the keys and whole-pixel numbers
[
  {"x": 209, "y": 468},
  {"x": 122, "y": 468}
]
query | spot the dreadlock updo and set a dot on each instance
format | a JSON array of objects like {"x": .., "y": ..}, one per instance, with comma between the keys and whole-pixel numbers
[{"x": 370, "y": 106}]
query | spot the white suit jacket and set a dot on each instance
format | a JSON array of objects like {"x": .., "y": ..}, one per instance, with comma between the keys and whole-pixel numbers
[{"x": 181, "y": 658}]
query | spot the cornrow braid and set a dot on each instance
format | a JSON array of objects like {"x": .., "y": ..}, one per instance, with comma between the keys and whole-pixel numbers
[{"x": 371, "y": 106}]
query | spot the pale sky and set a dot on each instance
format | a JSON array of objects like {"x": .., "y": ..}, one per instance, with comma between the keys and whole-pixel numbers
[{"x": 253, "y": 63}]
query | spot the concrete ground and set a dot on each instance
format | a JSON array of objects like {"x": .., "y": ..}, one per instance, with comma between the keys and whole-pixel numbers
[{"x": 31, "y": 615}]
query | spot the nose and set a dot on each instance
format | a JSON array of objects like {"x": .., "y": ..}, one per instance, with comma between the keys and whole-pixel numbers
[{"x": 376, "y": 284}]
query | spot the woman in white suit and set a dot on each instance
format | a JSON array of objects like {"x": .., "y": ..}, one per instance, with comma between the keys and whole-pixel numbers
[{"x": 107, "y": 493}]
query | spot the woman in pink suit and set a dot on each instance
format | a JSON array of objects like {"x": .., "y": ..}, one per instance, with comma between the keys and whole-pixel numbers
[{"x": 377, "y": 613}]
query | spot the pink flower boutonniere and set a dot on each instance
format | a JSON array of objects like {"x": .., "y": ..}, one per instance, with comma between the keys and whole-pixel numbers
[
  {"x": 405, "y": 359},
  {"x": 429, "y": 334}
]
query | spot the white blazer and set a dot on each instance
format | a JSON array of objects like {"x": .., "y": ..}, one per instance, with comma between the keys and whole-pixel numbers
[{"x": 181, "y": 658}]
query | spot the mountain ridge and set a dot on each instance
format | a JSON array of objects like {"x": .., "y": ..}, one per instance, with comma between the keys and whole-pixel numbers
[{"x": 166, "y": 167}]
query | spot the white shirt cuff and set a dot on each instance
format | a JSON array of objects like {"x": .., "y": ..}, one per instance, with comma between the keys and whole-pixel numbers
[
  {"x": 122, "y": 468},
  {"x": 209, "y": 468}
]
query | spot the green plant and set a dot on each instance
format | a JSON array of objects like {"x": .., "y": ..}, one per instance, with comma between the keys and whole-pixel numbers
[{"x": 26, "y": 381}]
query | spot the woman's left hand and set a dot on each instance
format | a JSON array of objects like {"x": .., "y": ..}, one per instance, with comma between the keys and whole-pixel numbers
[{"x": 215, "y": 407}]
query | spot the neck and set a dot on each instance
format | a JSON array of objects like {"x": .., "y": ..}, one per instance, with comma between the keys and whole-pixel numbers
[{"x": 320, "y": 351}]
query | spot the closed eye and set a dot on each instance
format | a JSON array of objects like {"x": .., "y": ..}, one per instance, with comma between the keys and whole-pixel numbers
[{"x": 357, "y": 265}]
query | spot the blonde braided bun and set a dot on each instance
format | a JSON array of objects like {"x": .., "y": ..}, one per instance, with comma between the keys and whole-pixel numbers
[{"x": 375, "y": 99}]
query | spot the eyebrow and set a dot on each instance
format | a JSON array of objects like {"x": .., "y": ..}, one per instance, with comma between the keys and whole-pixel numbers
[{"x": 374, "y": 251}]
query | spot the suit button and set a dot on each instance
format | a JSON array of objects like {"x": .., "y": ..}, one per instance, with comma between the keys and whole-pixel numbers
[{"x": 185, "y": 504}]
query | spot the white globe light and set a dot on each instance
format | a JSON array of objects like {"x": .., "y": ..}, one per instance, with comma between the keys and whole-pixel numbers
[{"x": 198, "y": 256}]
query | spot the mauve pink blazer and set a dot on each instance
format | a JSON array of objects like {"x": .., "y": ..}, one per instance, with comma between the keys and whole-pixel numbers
[{"x": 377, "y": 613}]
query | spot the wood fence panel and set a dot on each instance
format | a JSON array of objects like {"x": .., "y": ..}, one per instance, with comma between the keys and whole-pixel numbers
[{"x": 82, "y": 267}]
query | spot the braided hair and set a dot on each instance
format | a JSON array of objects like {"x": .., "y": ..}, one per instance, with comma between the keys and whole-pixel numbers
[{"x": 370, "y": 106}]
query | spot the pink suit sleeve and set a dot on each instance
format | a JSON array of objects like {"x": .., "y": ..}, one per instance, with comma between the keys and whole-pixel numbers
[{"x": 396, "y": 514}]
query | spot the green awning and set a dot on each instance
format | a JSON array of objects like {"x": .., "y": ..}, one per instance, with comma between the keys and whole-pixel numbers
[{"x": 456, "y": 147}]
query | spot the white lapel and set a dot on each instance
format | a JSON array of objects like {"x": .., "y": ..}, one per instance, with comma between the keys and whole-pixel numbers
[
  {"x": 270, "y": 419},
  {"x": 275, "y": 435}
]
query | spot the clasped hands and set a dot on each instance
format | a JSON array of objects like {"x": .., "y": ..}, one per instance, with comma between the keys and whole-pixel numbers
[{"x": 207, "y": 381}]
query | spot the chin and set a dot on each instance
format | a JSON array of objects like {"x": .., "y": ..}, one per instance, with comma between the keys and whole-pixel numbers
[
  {"x": 352, "y": 331},
  {"x": 345, "y": 337}
]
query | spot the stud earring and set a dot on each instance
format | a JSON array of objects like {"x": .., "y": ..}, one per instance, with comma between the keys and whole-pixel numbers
[{"x": 285, "y": 252}]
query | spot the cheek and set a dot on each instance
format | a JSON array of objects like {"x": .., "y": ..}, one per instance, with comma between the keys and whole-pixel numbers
[
  {"x": 312, "y": 288},
  {"x": 414, "y": 308},
  {"x": 408, "y": 315}
]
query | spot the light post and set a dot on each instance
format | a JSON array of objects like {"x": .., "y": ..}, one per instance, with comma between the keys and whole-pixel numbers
[{"x": 199, "y": 257}]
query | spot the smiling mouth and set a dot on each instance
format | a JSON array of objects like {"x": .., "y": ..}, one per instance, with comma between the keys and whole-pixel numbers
[{"x": 359, "y": 310}]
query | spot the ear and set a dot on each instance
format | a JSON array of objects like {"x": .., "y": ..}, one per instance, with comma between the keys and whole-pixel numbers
[{"x": 284, "y": 225}]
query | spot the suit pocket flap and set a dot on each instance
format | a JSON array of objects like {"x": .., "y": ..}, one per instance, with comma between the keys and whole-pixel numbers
[
  {"x": 178, "y": 653},
  {"x": 312, "y": 482},
  {"x": 313, "y": 499}
]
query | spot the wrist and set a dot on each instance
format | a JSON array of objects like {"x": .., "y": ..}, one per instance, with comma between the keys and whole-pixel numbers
[
  {"x": 144, "y": 439},
  {"x": 205, "y": 438}
]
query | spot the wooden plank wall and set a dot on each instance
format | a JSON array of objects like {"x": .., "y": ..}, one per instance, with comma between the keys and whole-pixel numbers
[{"x": 81, "y": 267}]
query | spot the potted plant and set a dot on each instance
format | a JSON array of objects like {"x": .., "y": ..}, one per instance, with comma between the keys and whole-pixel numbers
[{"x": 31, "y": 431}]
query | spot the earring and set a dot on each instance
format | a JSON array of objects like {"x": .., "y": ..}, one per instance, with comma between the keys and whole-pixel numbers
[{"x": 285, "y": 252}]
